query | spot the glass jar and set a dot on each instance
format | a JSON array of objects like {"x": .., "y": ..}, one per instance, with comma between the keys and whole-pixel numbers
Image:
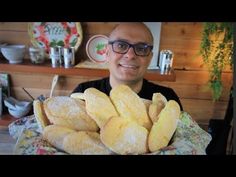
[{"x": 37, "y": 55}]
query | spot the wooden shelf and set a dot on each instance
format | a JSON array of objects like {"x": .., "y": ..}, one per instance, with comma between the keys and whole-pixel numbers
[{"x": 28, "y": 67}]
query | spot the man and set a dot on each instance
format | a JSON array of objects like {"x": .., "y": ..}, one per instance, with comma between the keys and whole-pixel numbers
[{"x": 129, "y": 53}]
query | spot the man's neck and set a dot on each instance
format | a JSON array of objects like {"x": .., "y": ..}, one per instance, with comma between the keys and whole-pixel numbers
[{"x": 135, "y": 86}]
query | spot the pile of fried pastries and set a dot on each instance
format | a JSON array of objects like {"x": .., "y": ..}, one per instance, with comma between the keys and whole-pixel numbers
[{"x": 94, "y": 123}]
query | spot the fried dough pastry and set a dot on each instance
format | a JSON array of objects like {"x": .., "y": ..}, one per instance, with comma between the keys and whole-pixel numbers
[
  {"x": 69, "y": 112},
  {"x": 99, "y": 106},
  {"x": 130, "y": 106},
  {"x": 162, "y": 130}
]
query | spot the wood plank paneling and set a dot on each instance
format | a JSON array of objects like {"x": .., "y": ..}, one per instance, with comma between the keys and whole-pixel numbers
[
  {"x": 98, "y": 27},
  {"x": 36, "y": 92},
  {"x": 183, "y": 44},
  {"x": 188, "y": 30},
  {"x": 194, "y": 91},
  {"x": 187, "y": 59},
  {"x": 193, "y": 85},
  {"x": 204, "y": 110},
  {"x": 181, "y": 36},
  {"x": 15, "y": 37},
  {"x": 191, "y": 91},
  {"x": 13, "y": 26},
  {"x": 44, "y": 81},
  {"x": 200, "y": 77}
]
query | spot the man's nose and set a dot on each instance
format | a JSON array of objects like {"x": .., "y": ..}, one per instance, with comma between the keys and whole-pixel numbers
[{"x": 130, "y": 53}]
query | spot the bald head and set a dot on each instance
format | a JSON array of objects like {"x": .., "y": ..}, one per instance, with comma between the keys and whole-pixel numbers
[{"x": 132, "y": 29}]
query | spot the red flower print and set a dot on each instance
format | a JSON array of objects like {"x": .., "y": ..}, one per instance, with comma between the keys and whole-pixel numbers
[{"x": 73, "y": 30}]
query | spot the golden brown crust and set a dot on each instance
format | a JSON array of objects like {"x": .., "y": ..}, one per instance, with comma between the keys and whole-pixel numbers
[
  {"x": 85, "y": 143},
  {"x": 162, "y": 130},
  {"x": 147, "y": 103},
  {"x": 40, "y": 115},
  {"x": 158, "y": 97},
  {"x": 124, "y": 136},
  {"x": 69, "y": 112},
  {"x": 55, "y": 135},
  {"x": 99, "y": 106},
  {"x": 130, "y": 106},
  {"x": 158, "y": 103}
]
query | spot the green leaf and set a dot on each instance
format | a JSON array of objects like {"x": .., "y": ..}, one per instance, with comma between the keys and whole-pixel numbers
[
  {"x": 73, "y": 43},
  {"x": 53, "y": 43},
  {"x": 61, "y": 43},
  {"x": 100, "y": 46},
  {"x": 216, "y": 62}
]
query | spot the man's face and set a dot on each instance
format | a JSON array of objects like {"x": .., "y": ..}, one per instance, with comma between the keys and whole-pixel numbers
[{"x": 128, "y": 67}]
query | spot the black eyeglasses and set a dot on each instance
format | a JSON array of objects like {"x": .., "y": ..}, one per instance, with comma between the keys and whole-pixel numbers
[{"x": 122, "y": 47}]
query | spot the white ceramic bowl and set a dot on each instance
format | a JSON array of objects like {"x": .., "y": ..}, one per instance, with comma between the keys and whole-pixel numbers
[
  {"x": 19, "y": 113},
  {"x": 17, "y": 108},
  {"x": 14, "y": 53},
  {"x": 2, "y": 45}
]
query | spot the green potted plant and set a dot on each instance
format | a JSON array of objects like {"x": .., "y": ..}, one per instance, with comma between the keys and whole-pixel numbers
[{"x": 217, "y": 50}]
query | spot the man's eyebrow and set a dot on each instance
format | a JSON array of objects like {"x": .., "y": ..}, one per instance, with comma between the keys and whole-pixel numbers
[
  {"x": 119, "y": 39},
  {"x": 125, "y": 40}
]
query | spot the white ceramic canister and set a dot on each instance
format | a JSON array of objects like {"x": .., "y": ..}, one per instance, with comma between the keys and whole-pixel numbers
[
  {"x": 55, "y": 56},
  {"x": 69, "y": 57}
]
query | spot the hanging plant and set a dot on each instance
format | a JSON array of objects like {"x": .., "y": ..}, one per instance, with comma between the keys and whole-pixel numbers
[{"x": 217, "y": 52}]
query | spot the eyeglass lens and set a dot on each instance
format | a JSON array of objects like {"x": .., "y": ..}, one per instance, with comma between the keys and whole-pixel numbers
[{"x": 140, "y": 49}]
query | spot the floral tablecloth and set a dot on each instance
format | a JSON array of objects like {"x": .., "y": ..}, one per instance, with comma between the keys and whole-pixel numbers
[{"x": 189, "y": 138}]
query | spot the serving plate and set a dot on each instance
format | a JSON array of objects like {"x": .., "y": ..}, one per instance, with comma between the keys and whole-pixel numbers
[
  {"x": 51, "y": 34},
  {"x": 96, "y": 48}
]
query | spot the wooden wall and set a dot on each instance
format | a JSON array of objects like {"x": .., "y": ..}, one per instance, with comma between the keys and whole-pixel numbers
[{"x": 182, "y": 38}]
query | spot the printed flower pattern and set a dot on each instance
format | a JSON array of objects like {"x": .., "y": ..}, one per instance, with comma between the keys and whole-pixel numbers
[
  {"x": 51, "y": 34},
  {"x": 100, "y": 48}
]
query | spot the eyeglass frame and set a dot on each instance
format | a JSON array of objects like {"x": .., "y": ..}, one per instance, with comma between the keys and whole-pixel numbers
[{"x": 131, "y": 45}]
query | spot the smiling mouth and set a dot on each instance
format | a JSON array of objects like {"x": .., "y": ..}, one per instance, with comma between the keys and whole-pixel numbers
[{"x": 128, "y": 66}]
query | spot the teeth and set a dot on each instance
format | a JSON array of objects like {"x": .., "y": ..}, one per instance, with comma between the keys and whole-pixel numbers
[{"x": 129, "y": 66}]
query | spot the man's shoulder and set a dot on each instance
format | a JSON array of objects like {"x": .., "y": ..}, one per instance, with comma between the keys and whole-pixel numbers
[
  {"x": 153, "y": 86},
  {"x": 150, "y": 88},
  {"x": 100, "y": 84},
  {"x": 95, "y": 82}
]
